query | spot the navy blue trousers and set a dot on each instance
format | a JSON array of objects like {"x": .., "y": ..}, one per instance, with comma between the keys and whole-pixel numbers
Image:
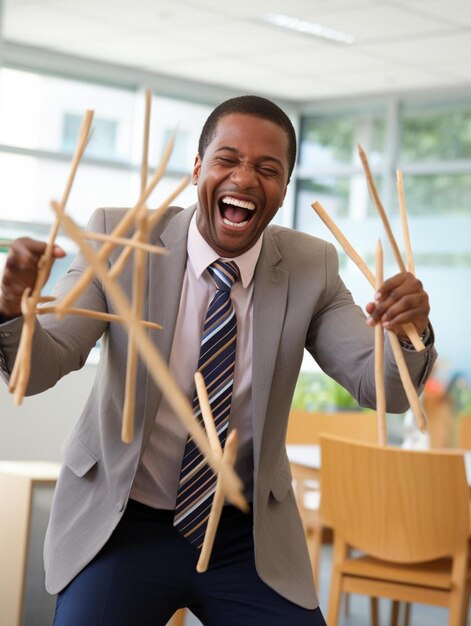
[{"x": 147, "y": 570}]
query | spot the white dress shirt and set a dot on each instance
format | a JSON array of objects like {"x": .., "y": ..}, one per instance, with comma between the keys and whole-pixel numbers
[{"x": 158, "y": 474}]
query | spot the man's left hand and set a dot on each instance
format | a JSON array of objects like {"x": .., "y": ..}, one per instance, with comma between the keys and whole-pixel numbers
[{"x": 399, "y": 300}]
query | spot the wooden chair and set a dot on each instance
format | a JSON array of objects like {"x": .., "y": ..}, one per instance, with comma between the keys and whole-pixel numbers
[
  {"x": 407, "y": 512},
  {"x": 464, "y": 432},
  {"x": 306, "y": 427}
]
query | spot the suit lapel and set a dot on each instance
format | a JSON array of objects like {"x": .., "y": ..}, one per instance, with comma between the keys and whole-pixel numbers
[
  {"x": 165, "y": 274},
  {"x": 270, "y": 298}
]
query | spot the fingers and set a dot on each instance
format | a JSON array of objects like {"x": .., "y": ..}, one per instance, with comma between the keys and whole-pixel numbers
[
  {"x": 21, "y": 269},
  {"x": 400, "y": 300}
]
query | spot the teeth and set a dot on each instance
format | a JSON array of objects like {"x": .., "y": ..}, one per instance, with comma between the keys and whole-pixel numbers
[
  {"x": 243, "y": 204},
  {"x": 236, "y": 224}
]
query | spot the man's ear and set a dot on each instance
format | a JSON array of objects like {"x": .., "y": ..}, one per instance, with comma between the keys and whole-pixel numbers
[{"x": 196, "y": 170}]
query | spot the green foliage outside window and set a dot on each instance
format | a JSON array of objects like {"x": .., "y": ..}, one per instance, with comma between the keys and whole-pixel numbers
[
  {"x": 436, "y": 134},
  {"x": 319, "y": 392},
  {"x": 335, "y": 138},
  {"x": 333, "y": 192},
  {"x": 439, "y": 194}
]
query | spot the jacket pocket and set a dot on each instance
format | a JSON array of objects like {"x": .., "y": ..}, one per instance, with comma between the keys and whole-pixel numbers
[{"x": 78, "y": 458}]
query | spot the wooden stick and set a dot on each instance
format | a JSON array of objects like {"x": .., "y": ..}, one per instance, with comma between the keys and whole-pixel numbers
[
  {"x": 228, "y": 455},
  {"x": 350, "y": 251},
  {"x": 27, "y": 309},
  {"x": 207, "y": 415},
  {"x": 138, "y": 284},
  {"x": 44, "y": 262},
  {"x": 156, "y": 215},
  {"x": 125, "y": 224},
  {"x": 405, "y": 225},
  {"x": 154, "y": 218},
  {"x": 409, "y": 328},
  {"x": 145, "y": 144},
  {"x": 157, "y": 367},
  {"x": 228, "y": 459},
  {"x": 23, "y": 357},
  {"x": 6, "y": 243},
  {"x": 379, "y": 205},
  {"x": 419, "y": 415},
  {"x": 403, "y": 372},
  {"x": 379, "y": 359},
  {"x": 343, "y": 241},
  {"x": 22, "y": 367},
  {"x": 41, "y": 299},
  {"x": 122, "y": 241},
  {"x": 96, "y": 315}
]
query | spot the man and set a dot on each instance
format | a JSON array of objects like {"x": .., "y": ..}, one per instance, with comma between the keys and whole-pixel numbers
[{"x": 116, "y": 550}]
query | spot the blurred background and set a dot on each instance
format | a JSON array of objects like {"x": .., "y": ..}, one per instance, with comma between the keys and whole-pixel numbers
[{"x": 392, "y": 75}]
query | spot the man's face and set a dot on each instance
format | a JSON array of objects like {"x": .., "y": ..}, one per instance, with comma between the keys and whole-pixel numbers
[{"x": 241, "y": 181}]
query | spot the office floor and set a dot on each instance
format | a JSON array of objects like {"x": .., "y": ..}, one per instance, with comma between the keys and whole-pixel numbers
[{"x": 359, "y": 613}]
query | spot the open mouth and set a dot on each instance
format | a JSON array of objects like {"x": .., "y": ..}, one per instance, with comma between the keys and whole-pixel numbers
[{"x": 234, "y": 212}]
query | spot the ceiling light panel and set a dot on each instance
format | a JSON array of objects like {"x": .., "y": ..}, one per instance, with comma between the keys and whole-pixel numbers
[{"x": 309, "y": 28}]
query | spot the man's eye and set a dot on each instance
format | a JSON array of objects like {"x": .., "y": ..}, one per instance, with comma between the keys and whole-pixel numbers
[
  {"x": 268, "y": 171},
  {"x": 226, "y": 161}
]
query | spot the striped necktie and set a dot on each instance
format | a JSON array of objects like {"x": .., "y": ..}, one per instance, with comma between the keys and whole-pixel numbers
[{"x": 216, "y": 364}]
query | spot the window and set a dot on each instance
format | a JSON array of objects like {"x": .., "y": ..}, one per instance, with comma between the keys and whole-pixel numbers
[
  {"x": 40, "y": 118},
  {"x": 440, "y": 132},
  {"x": 329, "y": 141},
  {"x": 102, "y": 144},
  {"x": 39, "y": 112},
  {"x": 431, "y": 143},
  {"x": 439, "y": 194}
]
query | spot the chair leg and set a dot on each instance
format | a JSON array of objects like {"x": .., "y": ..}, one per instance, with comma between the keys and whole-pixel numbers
[
  {"x": 374, "y": 611},
  {"x": 178, "y": 618},
  {"x": 394, "y": 613},
  {"x": 457, "y": 611},
  {"x": 466, "y": 610},
  {"x": 334, "y": 599},
  {"x": 339, "y": 555},
  {"x": 459, "y": 592}
]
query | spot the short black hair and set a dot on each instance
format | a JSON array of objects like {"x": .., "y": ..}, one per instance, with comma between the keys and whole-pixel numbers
[{"x": 257, "y": 107}]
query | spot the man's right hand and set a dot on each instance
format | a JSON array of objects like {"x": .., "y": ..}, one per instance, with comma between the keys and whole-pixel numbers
[{"x": 21, "y": 270}]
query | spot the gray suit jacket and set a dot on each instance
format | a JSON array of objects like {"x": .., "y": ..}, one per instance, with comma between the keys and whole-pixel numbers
[{"x": 299, "y": 301}]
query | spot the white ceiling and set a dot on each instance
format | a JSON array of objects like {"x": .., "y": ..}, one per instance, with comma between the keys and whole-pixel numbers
[{"x": 400, "y": 45}]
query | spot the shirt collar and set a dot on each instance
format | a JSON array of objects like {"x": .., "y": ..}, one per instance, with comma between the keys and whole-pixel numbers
[{"x": 200, "y": 255}]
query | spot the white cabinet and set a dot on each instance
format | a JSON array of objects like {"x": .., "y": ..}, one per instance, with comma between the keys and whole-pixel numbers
[{"x": 26, "y": 490}]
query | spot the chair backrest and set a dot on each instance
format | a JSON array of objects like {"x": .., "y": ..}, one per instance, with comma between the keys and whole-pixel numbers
[
  {"x": 397, "y": 505},
  {"x": 306, "y": 426},
  {"x": 464, "y": 432}
]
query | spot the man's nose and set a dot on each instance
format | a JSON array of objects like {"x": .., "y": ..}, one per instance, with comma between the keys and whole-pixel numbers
[{"x": 244, "y": 175}]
